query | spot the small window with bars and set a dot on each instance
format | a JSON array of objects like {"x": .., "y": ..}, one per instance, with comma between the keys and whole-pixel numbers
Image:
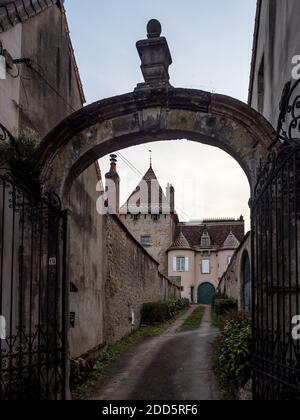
[{"x": 146, "y": 241}]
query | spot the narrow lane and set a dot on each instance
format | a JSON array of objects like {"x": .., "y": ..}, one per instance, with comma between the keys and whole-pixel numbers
[{"x": 175, "y": 366}]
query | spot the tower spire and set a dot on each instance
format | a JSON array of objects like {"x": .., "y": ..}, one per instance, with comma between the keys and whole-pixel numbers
[{"x": 150, "y": 152}]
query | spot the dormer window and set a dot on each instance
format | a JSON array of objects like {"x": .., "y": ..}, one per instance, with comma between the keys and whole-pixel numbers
[{"x": 205, "y": 240}]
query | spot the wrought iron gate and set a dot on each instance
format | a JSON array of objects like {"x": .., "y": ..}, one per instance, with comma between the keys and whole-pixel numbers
[
  {"x": 32, "y": 293},
  {"x": 276, "y": 262}
]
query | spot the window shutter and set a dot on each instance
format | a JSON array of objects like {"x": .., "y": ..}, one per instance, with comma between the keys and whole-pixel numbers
[
  {"x": 174, "y": 264},
  {"x": 186, "y": 264}
]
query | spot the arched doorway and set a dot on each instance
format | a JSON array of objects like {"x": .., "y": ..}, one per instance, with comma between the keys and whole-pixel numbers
[
  {"x": 247, "y": 292},
  {"x": 206, "y": 294}
]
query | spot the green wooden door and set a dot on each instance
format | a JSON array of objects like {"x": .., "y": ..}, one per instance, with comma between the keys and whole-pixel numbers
[{"x": 206, "y": 294}]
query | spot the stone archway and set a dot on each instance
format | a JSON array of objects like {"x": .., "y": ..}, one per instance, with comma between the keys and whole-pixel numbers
[
  {"x": 148, "y": 115},
  {"x": 154, "y": 111}
]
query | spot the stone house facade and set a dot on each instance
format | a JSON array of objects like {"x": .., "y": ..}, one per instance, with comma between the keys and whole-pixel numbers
[{"x": 201, "y": 254}]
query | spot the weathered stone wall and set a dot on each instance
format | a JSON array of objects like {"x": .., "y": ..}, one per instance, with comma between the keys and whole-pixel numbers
[
  {"x": 132, "y": 279},
  {"x": 114, "y": 276},
  {"x": 232, "y": 282},
  {"x": 47, "y": 89},
  {"x": 86, "y": 265},
  {"x": 161, "y": 232},
  {"x": 50, "y": 91}
]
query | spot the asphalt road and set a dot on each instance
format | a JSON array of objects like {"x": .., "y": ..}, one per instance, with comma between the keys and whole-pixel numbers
[{"x": 174, "y": 366}]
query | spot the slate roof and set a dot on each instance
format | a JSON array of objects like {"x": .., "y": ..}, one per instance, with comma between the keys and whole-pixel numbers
[
  {"x": 218, "y": 232},
  {"x": 148, "y": 205},
  {"x": 180, "y": 242}
]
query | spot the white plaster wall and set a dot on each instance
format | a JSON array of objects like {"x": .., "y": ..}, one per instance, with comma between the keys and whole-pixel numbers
[
  {"x": 194, "y": 277},
  {"x": 187, "y": 278}
]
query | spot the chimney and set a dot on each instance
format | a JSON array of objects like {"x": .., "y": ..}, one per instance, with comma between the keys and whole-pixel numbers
[
  {"x": 171, "y": 197},
  {"x": 113, "y": 177}
]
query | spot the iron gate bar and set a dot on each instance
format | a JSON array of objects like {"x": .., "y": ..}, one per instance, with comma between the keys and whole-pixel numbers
[
  {"x": 276, "y": 357},
  {"x": 32, "y": 293}
]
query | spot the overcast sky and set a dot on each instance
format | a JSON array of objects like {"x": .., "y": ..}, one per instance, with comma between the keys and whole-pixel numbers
[{"x": 211, "y": 44}]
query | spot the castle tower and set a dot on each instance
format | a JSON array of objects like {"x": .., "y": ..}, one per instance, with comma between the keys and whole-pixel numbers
[{"x": 149, "y": 214}]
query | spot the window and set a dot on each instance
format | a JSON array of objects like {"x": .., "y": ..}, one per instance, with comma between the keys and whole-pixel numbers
[
  {"x": 205, "y": 266},
  {"x": 205, "y": 240},
  {"x": 146, "y": 241},
  {"x": 229, "y": 261},
  {"x": 180, "y": 264}
]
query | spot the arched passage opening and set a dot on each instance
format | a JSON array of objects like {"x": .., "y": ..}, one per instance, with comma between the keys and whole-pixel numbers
[{"x": 152, "y": 115}]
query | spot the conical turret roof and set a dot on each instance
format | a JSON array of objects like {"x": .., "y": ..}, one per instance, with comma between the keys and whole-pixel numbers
[
  {"x": 180, "y": 242},
  {"x": 150, "y": 196}
]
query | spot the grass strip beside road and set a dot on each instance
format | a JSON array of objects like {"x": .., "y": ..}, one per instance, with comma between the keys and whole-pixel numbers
[
  {"x": 215, "y": 319},
  {"x": 195, "y": 319}
]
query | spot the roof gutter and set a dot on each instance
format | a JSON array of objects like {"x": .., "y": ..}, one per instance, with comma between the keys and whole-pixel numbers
[{"x": 254, "y": 49}]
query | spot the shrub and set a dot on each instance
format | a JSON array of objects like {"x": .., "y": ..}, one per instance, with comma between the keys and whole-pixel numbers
[
  {"x": 222, "y": 306},
  {"x": 159, "y": 312},
  {"x": 19, "y": 149},
  {"x": 233, "y": 352}
]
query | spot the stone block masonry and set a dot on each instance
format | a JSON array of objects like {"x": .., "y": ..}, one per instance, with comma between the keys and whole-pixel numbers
[
  {"x": 111, "y": 292},
  {"x": 132, "y": 279}
]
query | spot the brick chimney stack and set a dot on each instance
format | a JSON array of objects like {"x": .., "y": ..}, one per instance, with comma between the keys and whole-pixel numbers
[{"x": 113, "y": 193}]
